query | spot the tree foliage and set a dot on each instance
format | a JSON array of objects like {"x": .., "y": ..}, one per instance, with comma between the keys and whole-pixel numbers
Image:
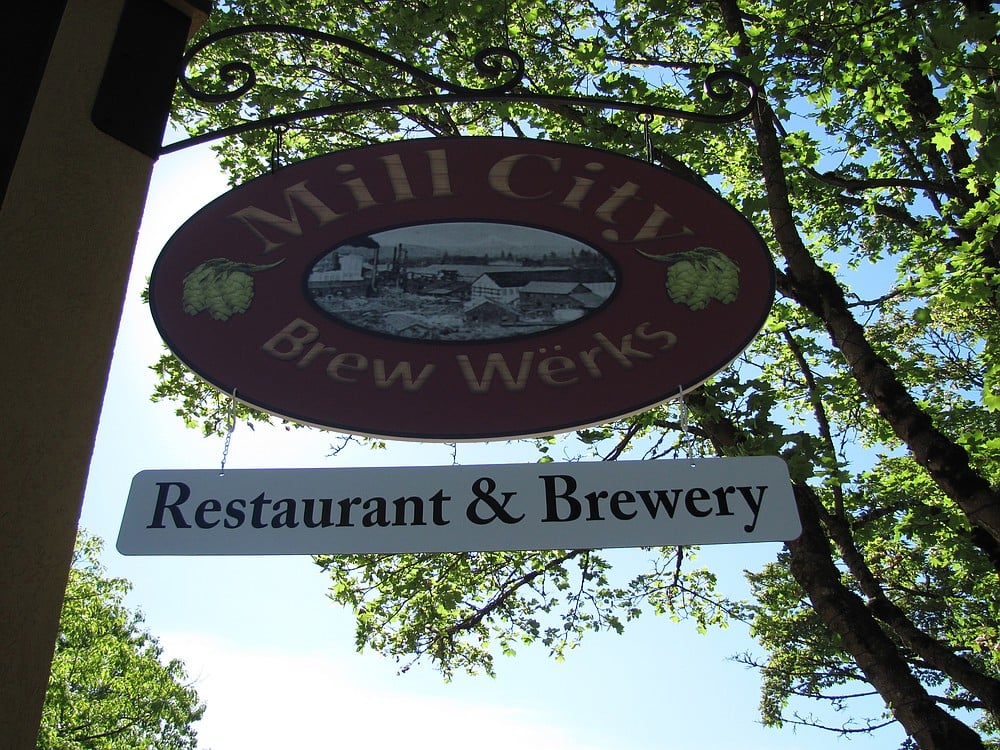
[
  {"x": 870, "y": 168},
  {"x": 109, "y": 688}
]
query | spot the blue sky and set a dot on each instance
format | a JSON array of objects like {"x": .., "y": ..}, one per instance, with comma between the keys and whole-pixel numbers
[{"x": 275, "y": 661}]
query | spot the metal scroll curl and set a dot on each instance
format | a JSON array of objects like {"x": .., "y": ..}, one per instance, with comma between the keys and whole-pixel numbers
[{"x": 502, "y": 67}]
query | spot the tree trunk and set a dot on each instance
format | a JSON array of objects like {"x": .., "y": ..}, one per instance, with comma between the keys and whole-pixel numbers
[
  {"x": 845, "y": 614},
  {"x": 938, "y": 655},
  {"x": 813, "y": 287}
]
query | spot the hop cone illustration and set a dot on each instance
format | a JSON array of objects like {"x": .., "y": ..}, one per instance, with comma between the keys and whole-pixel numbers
[
  {"x": 696, "y": 277},
  {"x": 222, "y": 287}
]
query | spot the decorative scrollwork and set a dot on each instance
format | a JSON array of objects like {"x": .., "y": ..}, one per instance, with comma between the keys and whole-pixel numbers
[
  {"x": 230, "y": 74},
  {"x": 490, "y": 64},
  {"x": 499, "y": 64}
]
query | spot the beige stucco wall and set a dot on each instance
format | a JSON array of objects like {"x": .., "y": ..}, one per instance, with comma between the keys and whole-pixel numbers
[{"x": 67, "y": 231}]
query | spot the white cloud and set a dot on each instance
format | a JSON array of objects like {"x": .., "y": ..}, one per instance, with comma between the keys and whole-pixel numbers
[{"x": 270, "y": 700}]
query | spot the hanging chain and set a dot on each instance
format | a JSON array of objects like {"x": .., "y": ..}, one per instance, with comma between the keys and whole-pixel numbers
[
  {"x": 506, "y": 24},
  {"x": 645, "y": 118},
  {"x": 684, "y": 412},
  {"x": 230, "y": 427},
  {"x": 686, "y": 433},
  {"x": 278, "y": 146}
]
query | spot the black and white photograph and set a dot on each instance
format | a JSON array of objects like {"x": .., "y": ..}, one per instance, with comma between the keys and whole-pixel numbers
[{"x": 461, "y": 281}]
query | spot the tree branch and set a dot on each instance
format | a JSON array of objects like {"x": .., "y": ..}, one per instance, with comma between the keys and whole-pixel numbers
[
  {"x": 816, "y": 289},
  {"x": 853, "y": 185},
  {"x": 935, "y": 654},
  {"x": 845, "y": 614},
  {"x": 471, "y": 621},
  {"x": 820, "y": 413}
]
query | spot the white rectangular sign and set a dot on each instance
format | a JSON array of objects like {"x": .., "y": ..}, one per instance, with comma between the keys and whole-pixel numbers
[{"x": 459, "y": 508}]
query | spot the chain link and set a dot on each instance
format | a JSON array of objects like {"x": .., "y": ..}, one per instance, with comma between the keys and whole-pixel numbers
[
  {"x": 686, "y": 439},
  {"x": 645, "y": 118},
  {"x": 231, "y": 426}
]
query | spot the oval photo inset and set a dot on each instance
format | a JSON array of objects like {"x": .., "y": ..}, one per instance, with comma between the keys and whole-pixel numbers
[{"x": 461, "y": 281}]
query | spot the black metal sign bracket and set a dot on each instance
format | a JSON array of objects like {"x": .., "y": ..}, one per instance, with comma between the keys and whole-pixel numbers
[{"x": 733, "y": 92}]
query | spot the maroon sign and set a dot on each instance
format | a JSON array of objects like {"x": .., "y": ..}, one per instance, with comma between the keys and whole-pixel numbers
[{"x": 462, "y": 288}]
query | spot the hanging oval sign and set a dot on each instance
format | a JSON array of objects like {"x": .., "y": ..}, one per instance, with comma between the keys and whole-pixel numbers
[{"x": 462, "y": 289}]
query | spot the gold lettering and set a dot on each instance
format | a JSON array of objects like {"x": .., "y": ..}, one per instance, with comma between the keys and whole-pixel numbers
[
  {"x": 318, "y": 348},
  {"x": 295, "y": 336},
  {"x": 499, "y": 175},
  {"x": 606, "y": 211},
  {"x": 550, "y": 367},
  {"x": 350, "y": 361},
  {"x": 252, "y": 216},
  {"x": 403, "y": 372},
  {"x": 401, "y": 189},
  {"x": 440, "y": 181},
  {"x": 657, "y": 217},
  {"x": 359, "y": 191},
  {"x": 669, "y": 337},
  {"x": 495, "y": 364},
  {"x": 581, "y": 186}
]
